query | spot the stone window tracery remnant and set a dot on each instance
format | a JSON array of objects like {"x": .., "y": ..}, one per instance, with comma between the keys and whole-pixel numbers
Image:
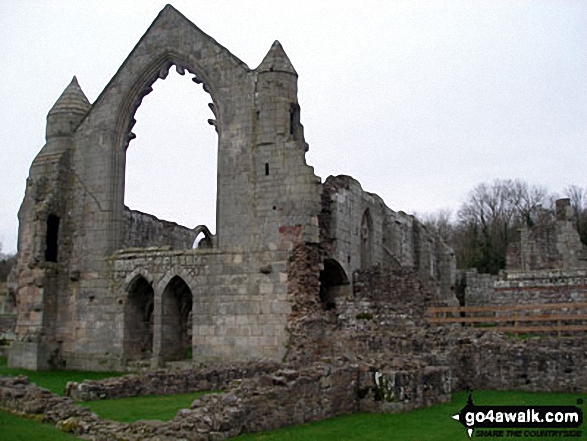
[{"x": 366, "y": 232}]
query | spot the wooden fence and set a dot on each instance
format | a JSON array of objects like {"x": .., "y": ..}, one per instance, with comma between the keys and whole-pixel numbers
[{"x": 551, "y": 318}]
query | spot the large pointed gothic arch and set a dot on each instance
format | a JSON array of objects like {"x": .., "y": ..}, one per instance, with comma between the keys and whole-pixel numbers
[
  {"x": 172, "y": 40},
  {"x": 158, "y": 69}
]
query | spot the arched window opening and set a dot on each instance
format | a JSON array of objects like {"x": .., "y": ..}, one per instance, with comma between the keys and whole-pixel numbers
[
  {"x": 366, "y": 240},
  {"x": 138, "y": 323},
  {"x": 204, "y": 239},
  {"x": 334, "y": 283},
  {"x": 52, "y": 238},
  {"x": 294, "y": 121},
  {"x": 176, "y": 321},
  {"x": 171, "y": 163}
]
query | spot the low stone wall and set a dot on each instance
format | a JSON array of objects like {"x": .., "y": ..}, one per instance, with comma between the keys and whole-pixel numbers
[
  {"x": 265, "y": 402},
  {"x": 537, "y": 364},
  {"x": 546, "y": 286},
  {"x": 525, "y": 287},
  {"x": 165, "y": 382},
  {"x": 283, "y": 398},
  {"x": 400, "y": 289},
  {"x": 479, "y": 289},
  {"x": 394, "y": 391}
]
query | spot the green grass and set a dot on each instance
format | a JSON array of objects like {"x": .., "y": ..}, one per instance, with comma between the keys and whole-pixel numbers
[
  {"x": 55, "y": 381},
  {"x": 430, "y": 424},
  {"x": 152, "y": 407},
  {"x": 13, "y": 428}
]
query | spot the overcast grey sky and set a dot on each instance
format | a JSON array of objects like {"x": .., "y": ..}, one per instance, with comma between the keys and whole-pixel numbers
[{"x": 418, "y": 100}]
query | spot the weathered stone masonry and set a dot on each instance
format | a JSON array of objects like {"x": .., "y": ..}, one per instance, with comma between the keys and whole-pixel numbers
[
  {"x": 264, "y": 398},
  {"x": 547, "y": 265},
  {"x": 103, "y": 287},
  {"x": 324, "y": 278}
]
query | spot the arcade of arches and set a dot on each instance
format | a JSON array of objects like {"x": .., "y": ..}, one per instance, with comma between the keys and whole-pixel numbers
[{"x": 173, "y": 314}]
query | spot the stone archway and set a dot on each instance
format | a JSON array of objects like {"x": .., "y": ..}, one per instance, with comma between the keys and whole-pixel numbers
[
  {"x": 138, "y": 320},
  {"x": 176, "y": 321},
  {"x": 334, "y": 283}
]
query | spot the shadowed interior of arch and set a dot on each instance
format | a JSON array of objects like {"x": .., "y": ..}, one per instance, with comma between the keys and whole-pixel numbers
[
  {"x": 334, "y": 283},
  {"x": 176, "y": 320},
  {"x": 138, "y": 323},
  {"x": 171, "y": 163}
]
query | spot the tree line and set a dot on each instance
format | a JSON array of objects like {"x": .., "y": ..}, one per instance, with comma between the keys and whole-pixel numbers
[{"x": 490, "y": 218}]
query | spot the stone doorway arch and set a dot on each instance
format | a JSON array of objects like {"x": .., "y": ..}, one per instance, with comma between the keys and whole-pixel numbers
[
  {"x": 138, "y": 320},
  {"x": 334, "y": 283},
  {"x": 176, "y": 321}
]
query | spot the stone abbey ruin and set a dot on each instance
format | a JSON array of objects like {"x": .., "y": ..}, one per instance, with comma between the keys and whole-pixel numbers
[
  {"x": 100, "y": 285},
  {"x": 307, "y": 289}
]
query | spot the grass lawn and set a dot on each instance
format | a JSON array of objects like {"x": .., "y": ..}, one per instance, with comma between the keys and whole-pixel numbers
[
  {"x": 13, "y": 428},
  {"x": 152, "y": 407},
  {"x": 55, "y": 381},
  {"x": 430, "y": 424}
]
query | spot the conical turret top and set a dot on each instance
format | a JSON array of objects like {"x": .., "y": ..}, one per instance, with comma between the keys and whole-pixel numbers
[
  {"x": 72, "y": 100},
  {"x": 276, "y": 60},
  {"x": 67, "y": 112}
]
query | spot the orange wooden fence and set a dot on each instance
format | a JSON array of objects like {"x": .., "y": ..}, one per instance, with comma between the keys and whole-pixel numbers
[{"x": 559, "y": 318}]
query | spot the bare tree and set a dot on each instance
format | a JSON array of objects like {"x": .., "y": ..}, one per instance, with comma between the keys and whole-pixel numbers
[
  {"x": 441, "y": 223},
  {"x": 491, "y": 216},
  {"x": 528, "y": 201},
  {"x": 489, "y": 220}
]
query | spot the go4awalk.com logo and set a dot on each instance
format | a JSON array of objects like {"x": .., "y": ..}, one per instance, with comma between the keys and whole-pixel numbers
[{"x": 525, "y": 422}]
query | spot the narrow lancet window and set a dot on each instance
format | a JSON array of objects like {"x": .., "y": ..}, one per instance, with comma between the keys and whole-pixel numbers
[{"x": 52, "y": 238}]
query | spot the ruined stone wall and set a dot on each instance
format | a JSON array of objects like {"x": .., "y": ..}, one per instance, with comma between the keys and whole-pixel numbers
[
  {"x": 145, "y": 230},
  {"x": 361, "y": 231},
  {"x": 41, "y": 269},
  {"x": 521, "y": 287},
  {"x": 309, "y": 324},
  {"x": 537, "y": 364},
  {"x": 401, "y": 289},
  {"x": 268, "y": 401},
  {"x": 347, "y": 204},
  {"x": 164, "y": 382},
  {"x": 548, "y": 265},
  {"x": 384, "y": 390},
  {"x": 383, "y": 316},
  {"x": 550, "y": 244},
  {"x": 547, "y": 286},
  {"x": 479, "y": 288}
]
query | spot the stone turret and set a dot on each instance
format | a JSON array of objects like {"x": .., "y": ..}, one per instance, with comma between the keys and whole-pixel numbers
[
  {"x": 276, "y": 60},
  {"x": 280, "y": 153},
  {"x": 68, "y": 111},
  {"x": 43, "y": 250},
  {"x": 277, "y": 96}
]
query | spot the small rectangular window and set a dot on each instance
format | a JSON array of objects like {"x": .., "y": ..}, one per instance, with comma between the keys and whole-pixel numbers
[
  {"x": 294, "y": 120},
  {"x": 52, "y": 238},
  {"x": 266, "y": 169}
]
